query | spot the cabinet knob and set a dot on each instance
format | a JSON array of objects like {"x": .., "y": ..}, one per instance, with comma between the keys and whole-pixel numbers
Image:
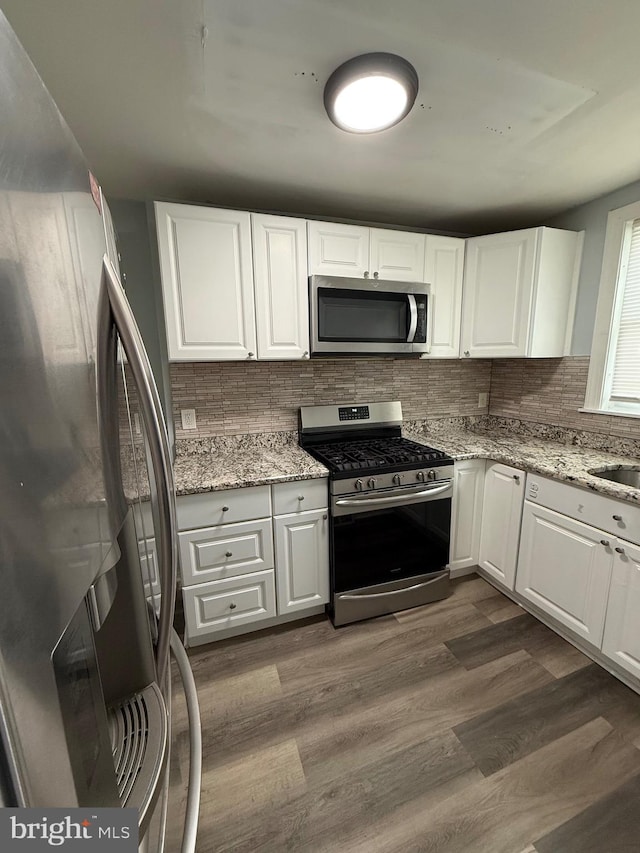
[
  {"x": 305, "y": 354},
  {"x": 300, "y": 497},
  {"x": 375, "y": 275},
  {"x": 225, "y": 509},
  {"x": 616, "y": 517},
  {"x": 604, "y": 542},
  {"x": 516, "y": 477},
  {"x": 467, "y": 353},
  {"x": 620, "y": 550},
  {"x": 228, "y": 554},
  {"x": 249, "y": 355},
  {"x": 366, "y": 273},
  {"x": 325, "y": 516},
  {"x": 232, "y": 606}
]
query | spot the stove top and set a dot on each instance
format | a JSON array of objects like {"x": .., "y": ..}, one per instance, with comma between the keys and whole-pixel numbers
[{"x": 378, "y": 454}]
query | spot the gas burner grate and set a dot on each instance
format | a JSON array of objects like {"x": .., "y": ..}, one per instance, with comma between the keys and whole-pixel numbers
[{"x": 374, "y": 454}]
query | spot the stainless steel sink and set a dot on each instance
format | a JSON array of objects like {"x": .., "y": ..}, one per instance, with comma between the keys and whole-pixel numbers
[{"x": 625, "y": 474}]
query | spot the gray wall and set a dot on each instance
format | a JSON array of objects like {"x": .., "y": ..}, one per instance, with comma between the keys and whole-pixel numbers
[
  {"x": 591, "y": 218},
  {"x": 139, "y": 264}
]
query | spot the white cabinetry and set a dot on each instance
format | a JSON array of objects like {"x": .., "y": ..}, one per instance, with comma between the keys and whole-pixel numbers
[
  {"x": 575, "y": 566},
  {"x": 207, "y": 282},
  {"x": 501, "y": 514},
  {"x": 234, "y": 575},
  {"x": 466, "y": 514},
  {"x": 281, "y": 294},
  {"x": 564, "y": 568},
  {"x": 234, "y": 284},
  {"x": 355, "y": 251},
  {"x": 621, "y": 641},
  {"x": 517, "y": 294},
  {"x": 444, "y": 270}
]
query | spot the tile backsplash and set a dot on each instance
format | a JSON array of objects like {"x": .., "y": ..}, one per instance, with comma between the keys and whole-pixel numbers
[
  {"x": 551, "y": 391},
  {"x": 232, "y": 398}
]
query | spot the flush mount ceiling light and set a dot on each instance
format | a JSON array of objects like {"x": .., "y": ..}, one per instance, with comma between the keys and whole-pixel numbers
[{"x": 370, "y": 92}]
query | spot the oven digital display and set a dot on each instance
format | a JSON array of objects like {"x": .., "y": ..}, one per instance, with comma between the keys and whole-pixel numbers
[{"x": 353, "y": 413}]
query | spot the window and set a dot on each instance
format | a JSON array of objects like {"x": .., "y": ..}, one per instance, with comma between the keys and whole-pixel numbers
[{"x": 614, "y": 370}]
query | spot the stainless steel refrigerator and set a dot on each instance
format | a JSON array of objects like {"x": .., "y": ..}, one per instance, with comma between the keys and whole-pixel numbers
[{"x": 87, "y": 506}]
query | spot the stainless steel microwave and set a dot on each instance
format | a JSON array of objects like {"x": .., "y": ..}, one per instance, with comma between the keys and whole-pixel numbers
[{"x": 369, "y": 316}]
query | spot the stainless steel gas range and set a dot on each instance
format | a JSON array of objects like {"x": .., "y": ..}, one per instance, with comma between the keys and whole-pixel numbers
[{"x": 390, "y": 509}]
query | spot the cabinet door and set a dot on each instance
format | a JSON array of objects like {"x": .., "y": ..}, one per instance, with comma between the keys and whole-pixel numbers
[
  {"x": 281, "y": 290},
  {"x": 564, "y": 568},
  {"x": 302, "y": 560},
  {"x": 396, "y": 255},
  {"x": 501, "y": 513},
  {"x": 498, "y": 290},
  {"x": 466, "y": 514},
  {"x": 207, "y": 282},
  {"x": 338, "y": 249},
  {"x": 621, "y": 641},
  {"x": 444, "y": 267}
]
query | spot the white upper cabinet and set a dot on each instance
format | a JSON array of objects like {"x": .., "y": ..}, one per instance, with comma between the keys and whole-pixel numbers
[
  {"x": 338, "y": 249},
  {"x": 518, "y": 292},
  {"x": 207, "y": 282},
  {"x": 358, "y": 252},
  {"x": 444, "y": 269},
  {"x": 281, "y": 293},
  {"x": 396, "y": 255}
]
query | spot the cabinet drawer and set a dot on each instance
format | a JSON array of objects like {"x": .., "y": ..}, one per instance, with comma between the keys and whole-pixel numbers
[
  {"x": 222, "y": 604},
  {"x": 620, "y": 518},
  {"x": 226, "y": 551},
  {"x": 228, "y": 506},
  {"x": 300, "y": 496}
]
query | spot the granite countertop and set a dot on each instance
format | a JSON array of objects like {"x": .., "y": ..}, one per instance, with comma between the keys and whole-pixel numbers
[
  {"x": 229, "y": 462},
  {"x": 531, "y": 453},
  {"x": 207, "y": 465}
]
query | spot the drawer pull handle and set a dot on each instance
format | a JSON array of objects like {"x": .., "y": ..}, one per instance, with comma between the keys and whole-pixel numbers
[
  {"x": 225, "y": 509},
  {"x": 232, "y": 606},
  {"x": 620, "y": 550},
  {"x": 228, "y": 554},
  {"x": 616, "y": 517},
  {"x": 300, "y": 497},
  {"x": 604, "y": 542}
]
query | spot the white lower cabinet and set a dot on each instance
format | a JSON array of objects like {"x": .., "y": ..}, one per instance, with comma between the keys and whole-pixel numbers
[
  {"x": 228, "y": 603},
  {"x": 501, "y": 514},
  {"x": 621, "y": 641},
  {"x": 263, "y": 565},
  {"x": 302, "y": 559},
  {"x": 466, "y": 514},
  {"x": 564, "y": 568}
]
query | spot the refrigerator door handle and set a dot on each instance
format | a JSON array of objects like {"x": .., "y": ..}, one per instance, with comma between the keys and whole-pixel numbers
[
  {"x": 192, "y": 809},
  {"x": 158, "y": 450}
]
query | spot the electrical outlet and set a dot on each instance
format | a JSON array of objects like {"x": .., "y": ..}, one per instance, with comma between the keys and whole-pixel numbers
[
  {"x": 188, "y": 418},
  {"x": 483, "y": 400}
]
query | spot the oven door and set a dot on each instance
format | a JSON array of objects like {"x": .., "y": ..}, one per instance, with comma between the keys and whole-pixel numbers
[
  {"x": 389, "y": 550},
  {"x": 364, "y": 316}
]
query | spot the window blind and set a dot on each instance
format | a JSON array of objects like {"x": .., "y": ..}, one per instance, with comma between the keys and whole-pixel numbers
[{"x": 624, "y": 374}]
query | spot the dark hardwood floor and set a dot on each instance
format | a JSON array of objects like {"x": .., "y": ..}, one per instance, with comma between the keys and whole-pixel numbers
[{"x": 464, "y": 725}]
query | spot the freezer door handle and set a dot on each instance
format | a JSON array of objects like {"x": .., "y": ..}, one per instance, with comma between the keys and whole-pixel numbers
[{"x": 158, "y": 450}]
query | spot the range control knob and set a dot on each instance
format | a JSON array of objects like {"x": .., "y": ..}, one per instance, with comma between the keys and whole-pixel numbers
[
  {"x": 397, "y": 479},
  {"x": 420, "y": 476},
  {"x": 432, "y": 474},
  {"x": 358, "y": 484},
  {"x": 371, "y": 482}
]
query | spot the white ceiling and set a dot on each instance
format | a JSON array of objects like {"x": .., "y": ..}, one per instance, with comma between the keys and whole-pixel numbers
[{"x": 525, "y": 108}]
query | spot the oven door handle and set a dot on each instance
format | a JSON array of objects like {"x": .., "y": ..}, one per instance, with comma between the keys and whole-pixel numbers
[
  {"x": 394, "y": 499},
  {"x": 413, "y": 317},
  {"x": 359, "y": 597}
]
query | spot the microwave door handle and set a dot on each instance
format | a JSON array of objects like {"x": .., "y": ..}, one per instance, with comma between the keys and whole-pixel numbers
[
  {"x": 158, "y": 450},
  {"x": 413, "y": 318}
]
